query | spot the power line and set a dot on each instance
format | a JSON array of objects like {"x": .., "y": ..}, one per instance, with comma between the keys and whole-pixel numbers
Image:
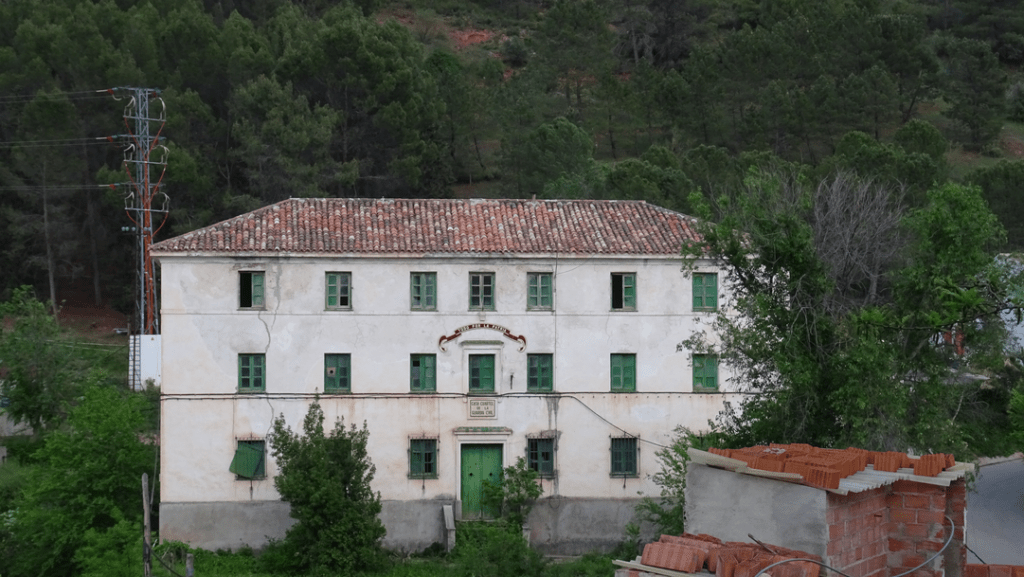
[
  {"x": 102, "y": 93},
  {"x": 80, "y": 141},
  {"x": 41, "y": 188},
  {"x": 104, "y": 140}
]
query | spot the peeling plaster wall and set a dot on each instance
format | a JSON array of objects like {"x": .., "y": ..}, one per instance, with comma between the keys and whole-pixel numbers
[{"x": 203, "y": 415}]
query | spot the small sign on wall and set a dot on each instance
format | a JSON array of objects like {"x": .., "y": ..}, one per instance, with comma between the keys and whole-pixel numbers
[{"x": 483, "y": 408}]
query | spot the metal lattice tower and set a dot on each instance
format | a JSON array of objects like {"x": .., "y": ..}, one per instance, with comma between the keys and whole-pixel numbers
[{"x": 139, "y": 203}]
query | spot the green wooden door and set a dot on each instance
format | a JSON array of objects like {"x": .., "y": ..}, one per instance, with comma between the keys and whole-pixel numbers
[{"x": 479, "y": 463}]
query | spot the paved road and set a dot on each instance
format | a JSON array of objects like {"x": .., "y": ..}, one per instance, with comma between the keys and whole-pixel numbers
[{"x": 995, "y": 515}]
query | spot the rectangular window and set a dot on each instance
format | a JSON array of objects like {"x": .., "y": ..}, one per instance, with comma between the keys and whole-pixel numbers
[
  {"x": 705, "y": 373},
  {"x": 539, "y": 377},
  {"x": 623, "y": 373},
  {"x": 538, "y": 291},
  {"x": 623, "y": 291},
  {"x": 339, "y": 291},
  {"x": 481, "y": 291},
  {"x": 423, "y": 373},
  {"x": 252, "y": 373},
  {"x": 540, "y": 456},
  {"x": 624, "y": 457},
  {"x": 705, "y": 291},
  {"x": 481, "y": 373},
  {"x": 250, "y": 290},
  {"x": 423, "y": 459},
  {"x": 423, "y": 291},
  {"x": 337, "y": 373},
  {"x": 250, "y": 460}
]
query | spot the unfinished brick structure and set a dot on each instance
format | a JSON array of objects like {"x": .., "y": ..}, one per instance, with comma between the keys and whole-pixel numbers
[
  {"x": 862, "y": 521},
  {"x": 888, "y": 530}
]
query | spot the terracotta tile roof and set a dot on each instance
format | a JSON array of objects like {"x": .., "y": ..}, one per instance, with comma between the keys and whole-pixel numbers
[{"x": 420, "y": 227}]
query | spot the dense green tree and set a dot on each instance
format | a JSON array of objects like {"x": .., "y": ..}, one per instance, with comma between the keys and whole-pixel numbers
[
  {"x": 897, "y": 41},
  {"x": 516, "y": 105},
  {"x": 842, "y": 294},
  {"x": 372, "y": 76},
  {"x": 454, "y": 89},
  {"x": 577, "y": 43},
  {"x": 913, "y": 172},
  {"x": 283, "y": 143},
  {"x": 975, "y": 89},
  {"x": 691, "y": 97},
  {"x": 39, "y": 380},
  {"x": 638, "y": 179},
  {"x": 325, "y": 478},
  {"x": 1000, "y": 186},
  {"x": 923, "y": 137},
  {"x": 553, "y": 149},
  {"x": 87, "y": 483}
]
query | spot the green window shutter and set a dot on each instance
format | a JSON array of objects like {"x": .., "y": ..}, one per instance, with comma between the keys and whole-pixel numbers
[
  {"x": 337, "y": 373},
  {"x": 339, "y": 290},
  {"x": 251, "y": 372},
  {"x": 249, "y": 460},
  {"x": 705, "y": 372},
  {"x": 538, "y": 291},
  {"x": 423, "y": 287},
  {"x": 705, "y": 291},
  {"x": 623, "y": 457},
  {"x": 430, "y": 298},
  {"x": 423, "y": 458},
  {"x": 481, "y": 291},
  {"x": 540, "y": 456},
  {"x": 332, "y": 291},
  {"x": 429, "y": 372},
  {"x": 423, "y": 373},
  {"x": 623, "y": 373},
  {"x": 257, "y": 289},
  {"x": 629, "y": 291},
  {"x": 481, "y": 373},
  {"x": 539, "y": 373}
]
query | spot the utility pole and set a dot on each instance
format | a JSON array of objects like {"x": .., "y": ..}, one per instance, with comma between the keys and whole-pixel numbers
[
  {"x": 145, "y": 162},
  {"x": 147, "y": 549}
]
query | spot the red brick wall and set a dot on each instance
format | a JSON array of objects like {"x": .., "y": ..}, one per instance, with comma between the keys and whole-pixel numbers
[
  {"x": 858, "y": 537},
  {"x": 887, "y": 531},
  {"x": 918, "y": 528},
  {"x": 995, "y": 570}
]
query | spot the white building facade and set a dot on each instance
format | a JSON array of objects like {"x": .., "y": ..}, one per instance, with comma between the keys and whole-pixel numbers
[{"x": 464, "y": 333}]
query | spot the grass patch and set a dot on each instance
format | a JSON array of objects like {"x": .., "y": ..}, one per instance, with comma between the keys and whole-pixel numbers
[{"x": 245, "y": 563}]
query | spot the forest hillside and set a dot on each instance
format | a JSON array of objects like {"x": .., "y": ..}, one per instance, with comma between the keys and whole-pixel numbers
[{"x": 628, "y": 99}]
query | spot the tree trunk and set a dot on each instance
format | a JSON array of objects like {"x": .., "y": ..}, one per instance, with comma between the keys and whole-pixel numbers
[
  {"x": 49, "y": 248},
  {"x": 611, "y": 136},
  {"x": 92, "y": 220}
]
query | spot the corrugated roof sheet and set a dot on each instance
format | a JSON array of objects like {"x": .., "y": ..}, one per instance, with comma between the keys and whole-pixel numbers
[{"x": 432, "y": 226}]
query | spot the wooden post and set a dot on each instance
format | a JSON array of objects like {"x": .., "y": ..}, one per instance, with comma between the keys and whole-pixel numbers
[
  {"x": 190, "y": 570},
  {"x": 146, "y": 562}
]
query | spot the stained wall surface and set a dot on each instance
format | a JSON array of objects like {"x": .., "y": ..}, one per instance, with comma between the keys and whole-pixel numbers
[{"x": 204, "y": 415}]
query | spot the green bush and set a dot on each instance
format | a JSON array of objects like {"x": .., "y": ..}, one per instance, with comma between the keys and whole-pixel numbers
[
  {"x": 514, "y": 493},
  {"x": 326, "y": 480},
  {"x": 483, "y": 549}
]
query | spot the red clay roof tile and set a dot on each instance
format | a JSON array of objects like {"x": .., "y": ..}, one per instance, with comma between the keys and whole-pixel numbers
[{"x": 439, "y": 226}]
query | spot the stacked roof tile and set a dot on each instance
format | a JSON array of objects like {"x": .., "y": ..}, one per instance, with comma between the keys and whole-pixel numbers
[
  {"x": 412, "y": 227},
  {"x": 693, "y": 553},
  {"x": 826, "y": 468}
]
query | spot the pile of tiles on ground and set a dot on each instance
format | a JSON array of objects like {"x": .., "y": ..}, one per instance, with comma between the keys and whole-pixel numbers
[
  {"x": 825, "y": 467},
  {"x": 692, "y": 553}
]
